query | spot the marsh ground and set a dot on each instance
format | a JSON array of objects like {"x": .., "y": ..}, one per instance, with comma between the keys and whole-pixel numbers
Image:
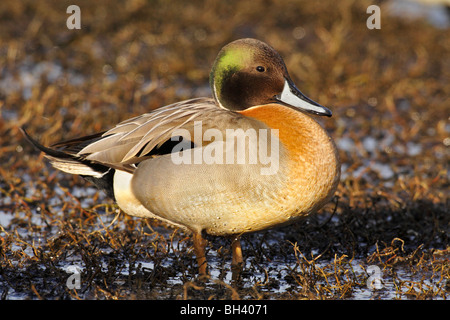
[{"x": 389, "y": 93}]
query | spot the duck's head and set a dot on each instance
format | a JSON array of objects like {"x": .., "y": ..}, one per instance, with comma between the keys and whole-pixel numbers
[{"x": 248, "y": 72}]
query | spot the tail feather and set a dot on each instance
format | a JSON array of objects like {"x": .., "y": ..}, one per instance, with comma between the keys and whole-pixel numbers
[
  {"x": 77, "y": 144},
  {"x": 48, "y": 152},
  {"x": 65, "y": 161}
]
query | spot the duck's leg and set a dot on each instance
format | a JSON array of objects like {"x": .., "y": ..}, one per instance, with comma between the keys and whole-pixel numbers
[
  {"x": 199, "y": 248},
  {"x": 236, "y": 260}
]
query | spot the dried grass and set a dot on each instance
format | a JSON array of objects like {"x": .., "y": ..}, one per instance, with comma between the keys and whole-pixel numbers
[{"x": 389, "y": 93}]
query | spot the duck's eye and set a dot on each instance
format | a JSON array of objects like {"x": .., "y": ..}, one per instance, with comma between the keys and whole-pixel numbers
[{"x": 260, "y": 69}]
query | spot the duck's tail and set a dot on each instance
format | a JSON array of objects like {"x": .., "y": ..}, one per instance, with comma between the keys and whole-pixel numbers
[{"x": 66, "y": 160}]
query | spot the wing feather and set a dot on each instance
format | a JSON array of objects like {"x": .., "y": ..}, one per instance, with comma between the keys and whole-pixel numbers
[{"x": 133, "y": 140}]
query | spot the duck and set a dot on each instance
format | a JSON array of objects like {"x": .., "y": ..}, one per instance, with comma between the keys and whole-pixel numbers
[{"x": 252, "y": 157}]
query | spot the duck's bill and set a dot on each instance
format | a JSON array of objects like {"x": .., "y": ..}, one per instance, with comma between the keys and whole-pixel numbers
[{"x": 292, "y": 97}]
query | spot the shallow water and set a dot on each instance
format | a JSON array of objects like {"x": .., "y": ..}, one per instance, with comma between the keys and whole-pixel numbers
[
  {"x": 275, "y": 277},
  {"x": 377, "y": 156}
]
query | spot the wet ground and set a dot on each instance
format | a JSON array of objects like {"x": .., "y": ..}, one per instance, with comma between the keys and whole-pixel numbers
[{"x": 384, "y": 236}]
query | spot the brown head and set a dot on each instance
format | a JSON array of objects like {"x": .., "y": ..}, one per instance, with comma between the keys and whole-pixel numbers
[{"x": 248, "y": 72}]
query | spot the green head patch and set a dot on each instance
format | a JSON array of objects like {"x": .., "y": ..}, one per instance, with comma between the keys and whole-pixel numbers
[
  {"x": 246, "y": 73},
  {"x": 232, "y": 59}
]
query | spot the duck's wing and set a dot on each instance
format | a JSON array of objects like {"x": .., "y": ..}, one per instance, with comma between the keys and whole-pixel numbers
[
  {"x": 96, "y": 157},
  {"x": 147, "y": 135}
]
